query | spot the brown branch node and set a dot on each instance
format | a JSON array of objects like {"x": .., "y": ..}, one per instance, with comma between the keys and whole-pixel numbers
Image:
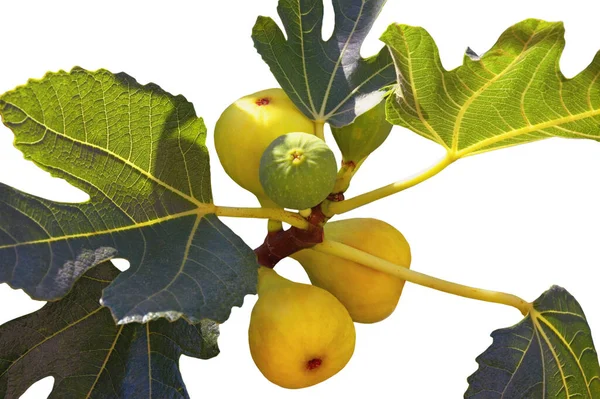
[{"x": 281, "y": 244}]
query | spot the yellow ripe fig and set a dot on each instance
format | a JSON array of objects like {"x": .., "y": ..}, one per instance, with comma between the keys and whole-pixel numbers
[
  {"x": 369, "y": 295},
  {"x": 299, "y": 334},
  {"x": 247, "y": 127}
]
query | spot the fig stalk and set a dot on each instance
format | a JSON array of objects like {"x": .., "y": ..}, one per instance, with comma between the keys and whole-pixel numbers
[
  {"x": 276, "y": 214},
  {"x": 320, "y": 129},
  {"x": 401, "y": 271},
  {"x": 344, "y": 176},
  {"x": 336, "y": 208}
]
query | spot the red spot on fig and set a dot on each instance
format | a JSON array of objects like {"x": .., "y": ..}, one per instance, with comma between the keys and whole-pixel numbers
[
  {"x": 262, "y": 101},
  {"x": 313, "y": 364}
]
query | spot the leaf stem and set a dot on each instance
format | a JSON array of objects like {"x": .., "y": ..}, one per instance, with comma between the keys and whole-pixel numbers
[
  {"x": 368, "y": 260},
  {"x": 336, "y": 208},
  {"x": 320, "y": 129},
  {"x": 278, "y": 214}
]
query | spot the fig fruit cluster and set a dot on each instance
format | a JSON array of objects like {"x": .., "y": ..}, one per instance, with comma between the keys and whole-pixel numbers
[{"x": 302, "y": 334}]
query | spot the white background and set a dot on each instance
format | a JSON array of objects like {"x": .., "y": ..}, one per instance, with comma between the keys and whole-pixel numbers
[{"x": 517, "y": 220}]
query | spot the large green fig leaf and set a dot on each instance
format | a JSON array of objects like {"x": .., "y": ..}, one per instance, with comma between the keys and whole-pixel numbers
[
  {"x": 76, "y": 341},
  {"x": 327, "y": 80},
  {"x": 515, "y": 93},
  {"x": 139, "y": 153},
  {"x": 550, "y": 354}
]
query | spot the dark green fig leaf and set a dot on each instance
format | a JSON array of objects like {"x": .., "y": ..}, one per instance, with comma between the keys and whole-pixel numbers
[
  {"x": 76, "y": 341},
  {"x": 513, "y": 94},
  {"x": 550, "y": 354},
  {"x": 363, "y": 136},
  {"x": 139, "y": 153},
  {"x": 327, "y": 80}
]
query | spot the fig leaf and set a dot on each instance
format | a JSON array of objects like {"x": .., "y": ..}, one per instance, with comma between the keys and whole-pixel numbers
[
  {"x": 550, "y": 354},
  {"x": 513, "y": 94},
  {"x": 139, "y": 153},
  {"x": 76, "y": 341},
  {"x": 327, "y": 80}
]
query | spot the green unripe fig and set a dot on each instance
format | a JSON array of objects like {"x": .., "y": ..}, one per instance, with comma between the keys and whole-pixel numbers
[
  {"x": 369, "y": 295},
  {"x": 247, "y": 127},
  {"x": 298, "y": 170},
  {"x": 363, "y": 136}
]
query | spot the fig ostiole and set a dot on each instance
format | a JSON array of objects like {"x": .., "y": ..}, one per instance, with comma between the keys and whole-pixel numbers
[
  {"x": 299, "y": 334},
  {"x": 369, "y": 295},
  {"x": 298, "y": 170},
  {"x": 248, "y": 126}
]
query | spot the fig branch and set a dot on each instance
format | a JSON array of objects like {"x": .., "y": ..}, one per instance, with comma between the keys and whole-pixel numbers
[
  {"x": 335, "y": 208},
  {"x": 374, "y": 262},
  {"x": 281, "y": 215}
]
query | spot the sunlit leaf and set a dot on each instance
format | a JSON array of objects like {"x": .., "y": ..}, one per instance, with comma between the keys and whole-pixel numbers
[
  {"x": 76, "y": 341},
  {"x": 139, "y": 153},
  {"x": 327, "y": 80},
  {"x": 515, "y": 93},
  {"x": 550, "y": 354}
]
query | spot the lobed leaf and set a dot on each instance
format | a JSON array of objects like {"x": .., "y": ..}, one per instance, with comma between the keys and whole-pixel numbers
[
  {"x": 327, "y": 80},
  {"x": 139, "y": 153},
  {"x": 550, "y": 354},
  {"x": 515, "y": 93},
  {"x": 76, "y": 341}
]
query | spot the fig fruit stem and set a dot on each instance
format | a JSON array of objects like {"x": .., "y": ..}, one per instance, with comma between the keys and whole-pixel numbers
[
  {"x": 374, "y": 262},
  {"x": 320, "y": 130},
  {"x": 336, "y": 208},
  {"x": 345, "y": 175},
  {"x": 274, "y": 225},
  {"x": 276, "y": 214}
]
